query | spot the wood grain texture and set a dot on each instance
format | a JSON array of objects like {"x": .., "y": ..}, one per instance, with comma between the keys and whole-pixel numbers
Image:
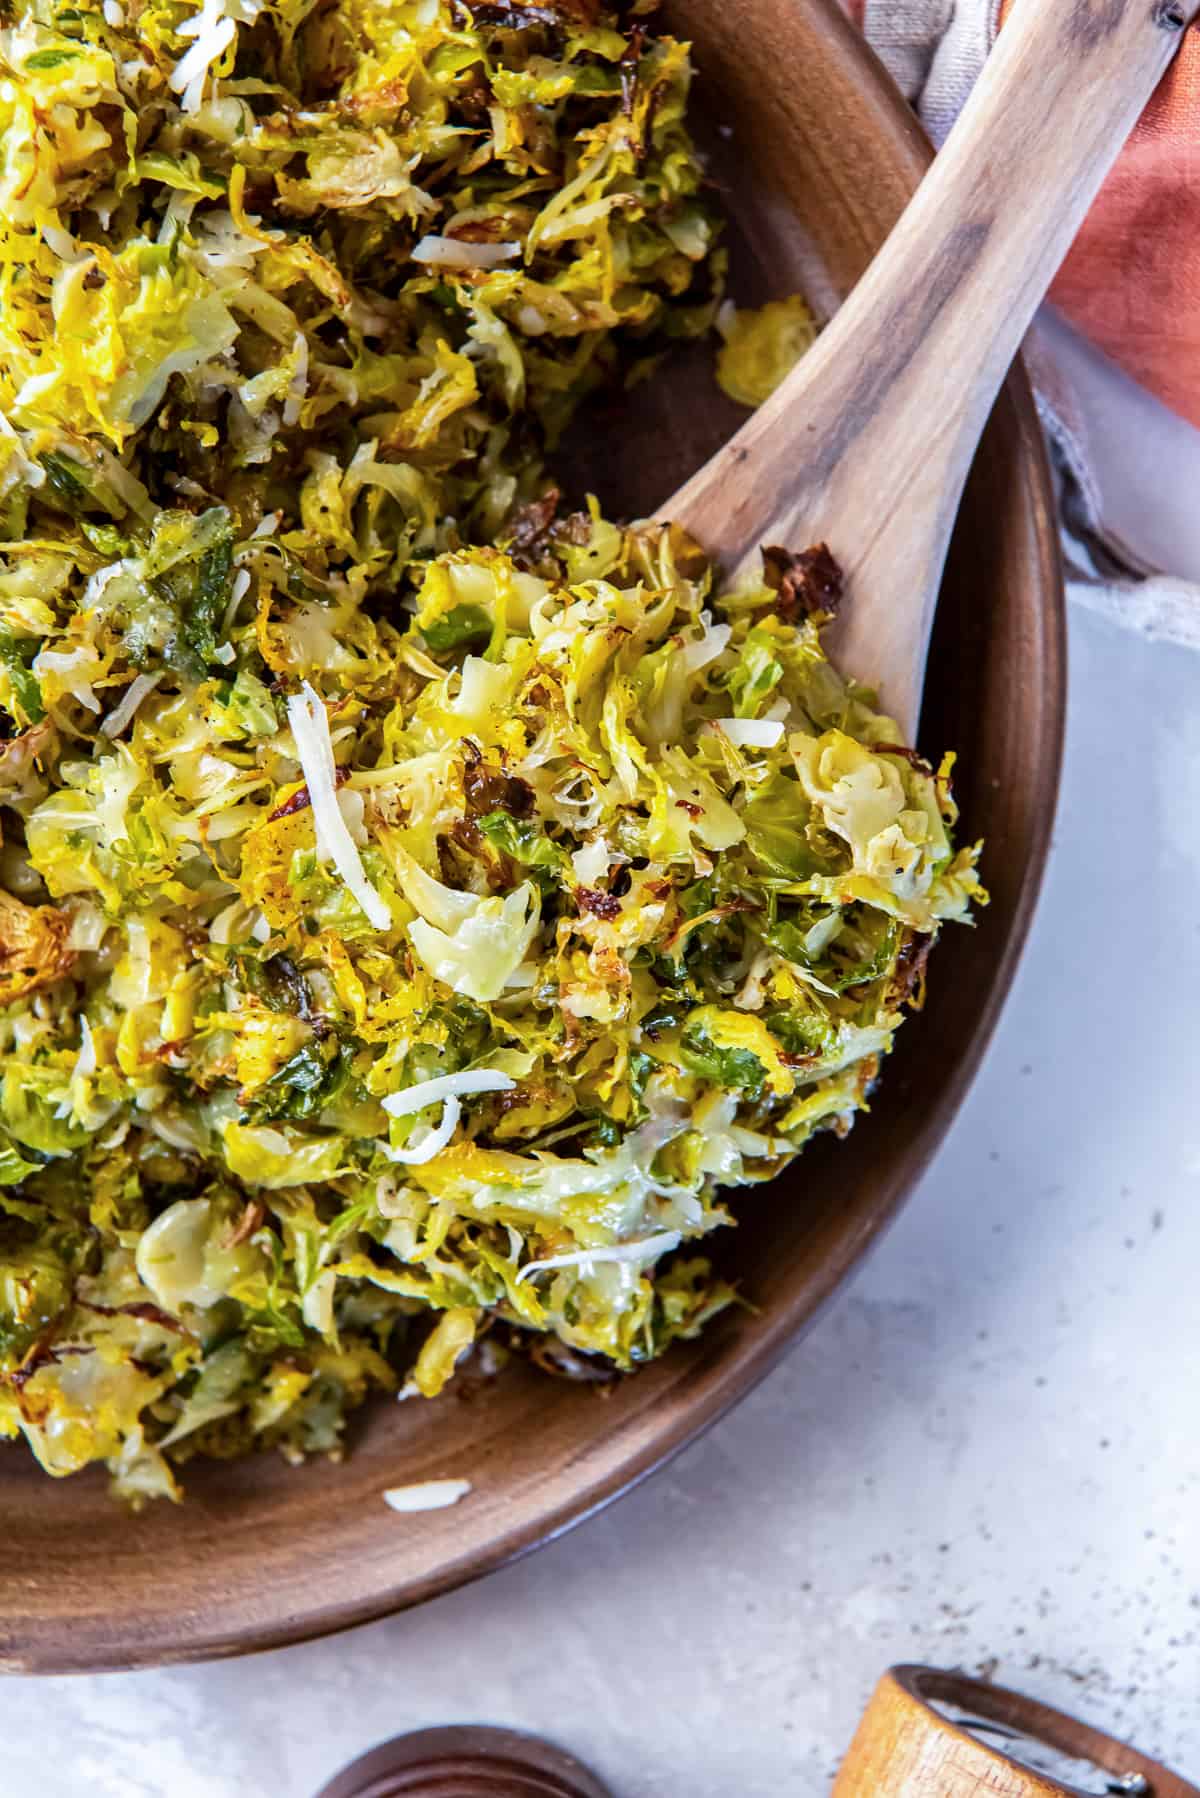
[
  {"x": 822, "y": 156},
  {"x": 868, "y": 442},
  {"x": 465, "y": 1761},
  {"x": 904, "y": 1748}
]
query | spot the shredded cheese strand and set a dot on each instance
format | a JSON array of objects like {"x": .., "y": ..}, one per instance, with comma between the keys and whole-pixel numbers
[
  {"x": 434, "y": 1142},
  {"x": 314, "y": 751},
  {"x": 426, "y": 1495},
  {"x": 751, "y": 733},
  {"x": 648, "y": 1249},
  {"x": 447, "y": 1086},
  {"x": 135, "y": 692}
]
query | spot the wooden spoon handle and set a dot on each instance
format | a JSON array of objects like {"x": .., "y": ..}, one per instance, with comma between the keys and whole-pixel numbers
[
  {"x": 907, "y": 1748},
  {"x": 868, "y": 441}
]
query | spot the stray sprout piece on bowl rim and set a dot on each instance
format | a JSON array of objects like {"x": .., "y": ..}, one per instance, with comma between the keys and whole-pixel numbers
[{"x": 426, "y": 1495}]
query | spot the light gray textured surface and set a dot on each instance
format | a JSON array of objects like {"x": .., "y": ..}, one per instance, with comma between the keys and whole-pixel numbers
[{"x": 986, "y": 1455}]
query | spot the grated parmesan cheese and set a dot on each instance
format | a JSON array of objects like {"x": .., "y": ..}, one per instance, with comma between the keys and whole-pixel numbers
[
  {"x": 426, "y": 1495},
  {"x": 648, "y": 1249},
  {"x": 213, "y": 38},
  {"x": 213, "y": 29},
  {"x": 433, "y": 1142},
  {"x": 85, "y": 1061},
  {"x": 241, "y": 586},
  {"x": 695, "y": 656},
  {"x": 452, "y": 252},
  {"x": 751, "y": 733},
  {"x": 446, "y": 1086},
  {"x": 314, "y": 751}
]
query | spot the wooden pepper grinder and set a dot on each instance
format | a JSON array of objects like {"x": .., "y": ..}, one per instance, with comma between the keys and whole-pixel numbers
[{"x": 927, "y": 1734}]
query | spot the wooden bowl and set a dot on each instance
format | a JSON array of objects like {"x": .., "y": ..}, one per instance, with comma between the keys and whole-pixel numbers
[{"x": 819, "y": 155}]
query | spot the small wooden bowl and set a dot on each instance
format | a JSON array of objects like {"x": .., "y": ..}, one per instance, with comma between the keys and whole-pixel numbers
[
  {"x": 820, "y": 158},
  {"x": 465, "y": 1761},
  {"x": 928, "y": 1734}
]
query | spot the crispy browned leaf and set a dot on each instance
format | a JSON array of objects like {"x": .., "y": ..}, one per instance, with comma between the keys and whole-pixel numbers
[
  {"x": 19, "y": 758},
  {"x": 33, "y": 947},
  {"x": 807, "y": 581}
]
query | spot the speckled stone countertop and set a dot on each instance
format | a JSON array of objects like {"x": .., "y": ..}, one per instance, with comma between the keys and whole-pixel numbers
[{"x": 986, "y": 1455}]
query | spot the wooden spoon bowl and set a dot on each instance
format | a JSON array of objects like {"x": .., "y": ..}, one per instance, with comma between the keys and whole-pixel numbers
[{"x": 821, "y": 159}]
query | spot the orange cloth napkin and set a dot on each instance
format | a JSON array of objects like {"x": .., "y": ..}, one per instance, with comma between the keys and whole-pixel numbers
[
  {"x": 1115, "y": 358},
  {"x": 1131, "y": 283}
]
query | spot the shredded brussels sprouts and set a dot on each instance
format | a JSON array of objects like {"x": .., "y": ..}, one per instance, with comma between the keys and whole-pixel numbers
[
  {"x": 403, "y": 939},
  {"x": 761, "y": 345}
]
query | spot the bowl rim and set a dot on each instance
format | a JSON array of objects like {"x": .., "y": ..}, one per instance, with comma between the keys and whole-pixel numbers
[{"x": 747, "y": 1359}]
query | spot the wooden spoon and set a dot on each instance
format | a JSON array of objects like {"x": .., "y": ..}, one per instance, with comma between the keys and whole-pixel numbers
[{"x": 867, "y": 443}]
